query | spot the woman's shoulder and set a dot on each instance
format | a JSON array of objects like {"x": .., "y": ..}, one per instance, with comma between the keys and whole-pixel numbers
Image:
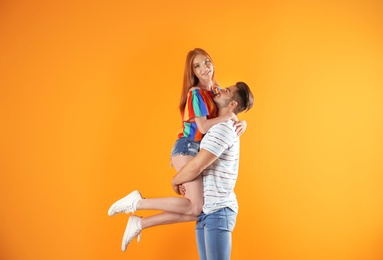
[
  {"x": 199, "y": 92},
  {"x": 194, "y": 88}
]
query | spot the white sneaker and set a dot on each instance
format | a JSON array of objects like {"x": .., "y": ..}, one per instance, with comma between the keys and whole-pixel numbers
[
  {"x": 127, "y": 204},
  {"x": 131, "y": 231}
]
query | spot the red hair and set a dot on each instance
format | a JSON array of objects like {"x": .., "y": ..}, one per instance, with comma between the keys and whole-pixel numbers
[{"x": 190, "y": 79}]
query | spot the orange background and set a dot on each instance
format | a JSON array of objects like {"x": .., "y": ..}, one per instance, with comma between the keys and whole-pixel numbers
[{"x": 88, "y": 112}]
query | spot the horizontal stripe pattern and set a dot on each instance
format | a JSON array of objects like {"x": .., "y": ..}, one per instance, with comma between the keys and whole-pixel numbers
[{"x": 220, "y": 177}]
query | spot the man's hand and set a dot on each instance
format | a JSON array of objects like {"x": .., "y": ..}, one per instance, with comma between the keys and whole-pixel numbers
[
  {"x": 176, "y": 188},
  {"x": 182, "y": 189},
  {"x": 179, "y": 189}
]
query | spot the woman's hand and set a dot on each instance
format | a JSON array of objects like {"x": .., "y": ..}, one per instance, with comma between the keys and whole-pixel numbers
[{"x": 240, "y": 127}]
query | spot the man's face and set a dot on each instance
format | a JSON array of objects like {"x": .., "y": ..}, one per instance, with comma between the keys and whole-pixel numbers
[{"x": 225, "y": 96}]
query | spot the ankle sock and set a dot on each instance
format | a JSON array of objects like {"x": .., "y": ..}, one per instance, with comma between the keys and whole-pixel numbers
[
  {"x": 139, "y": 224},
  {"x": 134, "y": 204}
]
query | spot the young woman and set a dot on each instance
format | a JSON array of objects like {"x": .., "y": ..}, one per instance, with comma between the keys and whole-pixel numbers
[{"x": 199, "y": 113}]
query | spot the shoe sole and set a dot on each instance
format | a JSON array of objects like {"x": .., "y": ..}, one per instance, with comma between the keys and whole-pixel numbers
[{"x": 110, "y": 211}]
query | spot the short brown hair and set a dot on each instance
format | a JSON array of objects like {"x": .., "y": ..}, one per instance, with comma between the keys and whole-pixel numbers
[{"x": 243, "y": 96}]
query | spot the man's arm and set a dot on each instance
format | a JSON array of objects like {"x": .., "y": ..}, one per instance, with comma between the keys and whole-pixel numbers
[{"x": 193, "y": 168}]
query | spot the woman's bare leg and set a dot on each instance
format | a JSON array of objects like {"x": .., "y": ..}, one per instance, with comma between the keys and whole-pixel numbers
[
  {"x": 169, "y": 204},
  {"x": 165, "y": 218},
  {"x": 191, "y": 204},
  {"x": 194, "y": 189},
  {"x": 176, "y": 209}
]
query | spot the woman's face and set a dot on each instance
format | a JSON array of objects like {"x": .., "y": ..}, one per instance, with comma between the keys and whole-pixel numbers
[{"x": 202, "y": 67}]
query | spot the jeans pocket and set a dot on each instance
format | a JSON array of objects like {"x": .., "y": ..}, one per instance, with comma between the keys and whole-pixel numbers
[
  {"x": 193, "y": 148},
  {"x": 230, "y": 219}
]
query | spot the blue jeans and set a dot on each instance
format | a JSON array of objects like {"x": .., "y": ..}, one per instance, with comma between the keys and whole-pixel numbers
[{"x": 214, "y": 234}]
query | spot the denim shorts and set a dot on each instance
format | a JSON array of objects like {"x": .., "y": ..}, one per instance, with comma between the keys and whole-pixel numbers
[{"x": 185, "y": 146}]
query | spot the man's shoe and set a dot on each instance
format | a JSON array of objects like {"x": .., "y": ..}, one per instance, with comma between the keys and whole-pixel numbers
[
  {"x": 127, "y": 204},
  {"x": 131, "y": 231}
]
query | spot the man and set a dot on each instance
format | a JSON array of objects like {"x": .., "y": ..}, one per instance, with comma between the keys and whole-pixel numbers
[
  {"x": 218, "y": 160},
  {"x": 219, "y": 154}
]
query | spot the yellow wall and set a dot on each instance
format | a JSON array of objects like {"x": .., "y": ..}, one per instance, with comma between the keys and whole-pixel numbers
[{"x": 88, "y": 112}]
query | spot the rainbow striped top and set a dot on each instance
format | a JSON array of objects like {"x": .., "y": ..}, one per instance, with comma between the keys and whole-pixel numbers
[{"x": 199, "y": 103}]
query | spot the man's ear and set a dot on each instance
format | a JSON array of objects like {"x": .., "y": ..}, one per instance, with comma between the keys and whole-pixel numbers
[{"x": 233, "y": 104}]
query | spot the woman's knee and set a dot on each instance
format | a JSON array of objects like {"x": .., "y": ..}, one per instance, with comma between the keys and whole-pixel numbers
[{"x": 196, "y": 209}]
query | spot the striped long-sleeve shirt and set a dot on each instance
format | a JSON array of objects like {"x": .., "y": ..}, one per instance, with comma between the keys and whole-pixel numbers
[{"x": 220, "y": 177}]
